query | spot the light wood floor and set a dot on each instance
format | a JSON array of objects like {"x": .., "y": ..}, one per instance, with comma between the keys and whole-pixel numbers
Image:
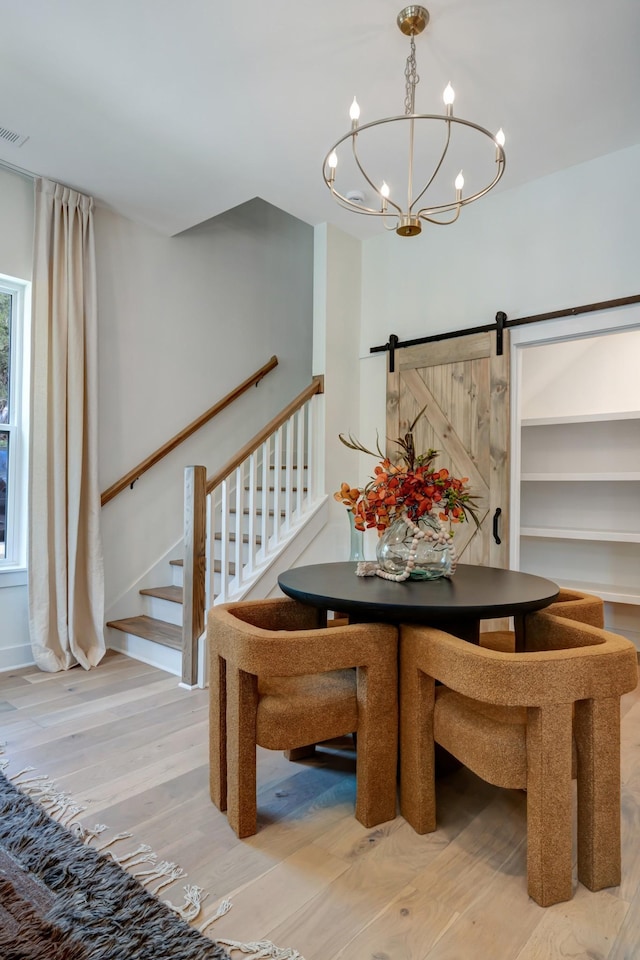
[{"x": 132, "y": 745}]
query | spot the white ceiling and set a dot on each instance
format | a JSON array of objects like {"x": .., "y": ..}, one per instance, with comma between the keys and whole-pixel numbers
[{"x": 172, "y": 111}]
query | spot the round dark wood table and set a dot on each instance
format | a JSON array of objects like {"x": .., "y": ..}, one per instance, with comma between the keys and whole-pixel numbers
[{"x": 455, "y": 604}]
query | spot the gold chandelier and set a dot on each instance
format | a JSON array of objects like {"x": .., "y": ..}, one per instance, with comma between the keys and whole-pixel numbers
[{"x": 405, "y": 218}]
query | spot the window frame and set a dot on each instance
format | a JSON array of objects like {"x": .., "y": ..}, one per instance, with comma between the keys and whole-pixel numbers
[{"x": 13, "y": 567}]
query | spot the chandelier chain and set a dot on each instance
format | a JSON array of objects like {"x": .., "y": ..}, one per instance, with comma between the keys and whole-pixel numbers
[{"x": 412, "y": 79}]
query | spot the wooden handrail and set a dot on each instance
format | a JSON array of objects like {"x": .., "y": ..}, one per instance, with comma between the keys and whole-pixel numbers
[
  {"x": 316, "y": 386},
  {"x": 133, "y": 475}
]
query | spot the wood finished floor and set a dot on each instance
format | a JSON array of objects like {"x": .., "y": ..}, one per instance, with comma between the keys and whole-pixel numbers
[{"x": 132, "y": 745}]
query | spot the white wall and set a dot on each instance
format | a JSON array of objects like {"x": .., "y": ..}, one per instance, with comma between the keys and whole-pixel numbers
[
  {"x": 565, "y": 240},
  {"x": 16, "y": 246},
  {"x": 336, "y": 336},
  {"x": 16, "y": 225},
  {"x": 182, "y": 321}
]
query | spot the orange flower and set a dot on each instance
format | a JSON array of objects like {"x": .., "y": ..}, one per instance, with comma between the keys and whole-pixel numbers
[
  {"x": 410, "y": 486},
  {"x": 347, "y": 495}
]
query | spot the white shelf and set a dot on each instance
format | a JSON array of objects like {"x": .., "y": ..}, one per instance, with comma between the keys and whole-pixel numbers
[
  {"x": 624, "y": 477},
  {"x": 608, "y": 593},
  {"x": 581, "y": 418},
  {"x": 578, "y": 452},
  {"x": 559, "y": 533}
]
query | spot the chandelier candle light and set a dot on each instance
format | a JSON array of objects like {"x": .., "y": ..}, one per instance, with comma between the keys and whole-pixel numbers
[{"x": 406, "y": 219}]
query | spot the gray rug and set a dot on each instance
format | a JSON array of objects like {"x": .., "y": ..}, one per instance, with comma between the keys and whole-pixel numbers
[{"x": 62, "y": 900}]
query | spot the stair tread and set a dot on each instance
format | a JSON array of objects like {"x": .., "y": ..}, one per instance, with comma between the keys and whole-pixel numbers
[
  {"x": 258, "y": 513},
  {"x": 232, "y": 538},
  {"x": 216, "y": 569},
  {"x": 172, "y": 593},
  {"x": 149, "y": 628},
  {"x": 272, "y": 489}
]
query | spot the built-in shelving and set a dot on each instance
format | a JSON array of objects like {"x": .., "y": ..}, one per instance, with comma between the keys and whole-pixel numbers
[
  {"x": 580, "y": 504},
  {"x": 581, "y": 418},
  {"x": 559, "y": 533},
  {"x": 619, "y": 594},
  {"x": 582, "y": 477}
]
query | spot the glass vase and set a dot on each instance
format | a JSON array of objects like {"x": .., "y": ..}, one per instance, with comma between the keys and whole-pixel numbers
[
  {"x": 433, "y": 553},
  {"x": 356, "y": 546}
]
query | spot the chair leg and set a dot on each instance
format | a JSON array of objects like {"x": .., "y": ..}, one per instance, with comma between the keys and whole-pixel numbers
[
  {"x": 549, "y": 803},
  {"x": 417, "y": 753},
  {"x": 218, "y": 732},
  {"x": 597, "y": 731},
  {"x": 377, "y": 753},
  {"x": 300, "y": 753},
  {"x": 242, "y": 701}
]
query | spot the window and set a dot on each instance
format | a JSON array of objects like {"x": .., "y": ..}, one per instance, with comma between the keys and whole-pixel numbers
[{"x": 14, "y": 355}]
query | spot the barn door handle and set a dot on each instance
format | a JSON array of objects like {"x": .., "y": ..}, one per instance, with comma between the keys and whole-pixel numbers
[{"x": 496, "y": 517}]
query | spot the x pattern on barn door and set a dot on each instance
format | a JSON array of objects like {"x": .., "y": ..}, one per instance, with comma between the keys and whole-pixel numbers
[{"x": 464, "y": 387}]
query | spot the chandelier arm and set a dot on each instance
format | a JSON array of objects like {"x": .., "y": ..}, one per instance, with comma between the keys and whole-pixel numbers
[
  {"x": 357, "y": 207},
  {"x": 441, "y": 223},
  {"x": 367, "y": 178},
  {"x": 439, "y": 208},
  {"x": 445, "y": 207},
  {"x": 436, "y": 171}
]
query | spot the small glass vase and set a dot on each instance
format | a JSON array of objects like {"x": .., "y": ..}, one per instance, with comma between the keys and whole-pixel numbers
[
  {"x": 356, "y": 546},
  {"x": 403, "y": 555}
]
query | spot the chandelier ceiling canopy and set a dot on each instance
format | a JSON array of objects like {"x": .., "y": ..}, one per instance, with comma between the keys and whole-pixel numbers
[{"x": 383, "y": 181}]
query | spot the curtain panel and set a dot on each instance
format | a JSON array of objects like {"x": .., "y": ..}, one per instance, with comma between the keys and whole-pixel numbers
[{"x": 66, "y": 581}]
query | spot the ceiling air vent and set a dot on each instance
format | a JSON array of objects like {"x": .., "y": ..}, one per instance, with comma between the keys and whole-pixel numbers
[{"x": 16, "y": 139}]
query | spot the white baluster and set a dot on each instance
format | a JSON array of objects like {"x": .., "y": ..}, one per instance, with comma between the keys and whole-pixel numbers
[
  {"x": 239, "y": 524},
  {"x": 224, "y": 541},
  {"x": 277, "y": 471},
  {"x": 251, "y": 551},
  {"x": 288, "y": 474},
  {"x": 300, "y": 462},
  {"x": 209, "y": 594},
  {"x": 264, "y": 506},
  {"x": 313, "y": 413}
]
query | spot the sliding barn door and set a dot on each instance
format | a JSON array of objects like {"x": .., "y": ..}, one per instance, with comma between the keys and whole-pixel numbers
[{"x": 465, "y": 389}]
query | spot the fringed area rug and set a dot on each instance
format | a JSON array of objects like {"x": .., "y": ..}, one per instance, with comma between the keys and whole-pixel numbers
[{"x": 62, "y": 899}]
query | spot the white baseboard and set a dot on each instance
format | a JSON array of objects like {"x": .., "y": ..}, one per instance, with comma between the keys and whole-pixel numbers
[{"x": 14, "y": 658}]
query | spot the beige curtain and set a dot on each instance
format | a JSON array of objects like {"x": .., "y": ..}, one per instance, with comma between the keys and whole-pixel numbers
[{"x": 66, "y": 594}]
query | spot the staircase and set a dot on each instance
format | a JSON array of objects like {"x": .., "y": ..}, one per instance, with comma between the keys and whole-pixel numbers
[
  {"x": 160, "y": 624},
  {"x": 242, "y": 528}
]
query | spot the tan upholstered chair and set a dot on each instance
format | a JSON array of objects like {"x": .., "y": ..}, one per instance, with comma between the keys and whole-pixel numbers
[
  {"x": 279, "y": 680},
  {"x": 572, "y": 604},
  {"x": 509, "y": 717}
]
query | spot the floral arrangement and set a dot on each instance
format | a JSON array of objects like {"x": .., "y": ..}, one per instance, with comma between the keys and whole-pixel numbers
[{"x": 410, "y": 488}]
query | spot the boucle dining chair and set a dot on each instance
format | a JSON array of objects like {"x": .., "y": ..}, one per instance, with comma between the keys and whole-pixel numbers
[
  {"x": 281, "y": 680},
  {"x": 572, "y": 604},
  {"x": 521, "y": 720}
]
